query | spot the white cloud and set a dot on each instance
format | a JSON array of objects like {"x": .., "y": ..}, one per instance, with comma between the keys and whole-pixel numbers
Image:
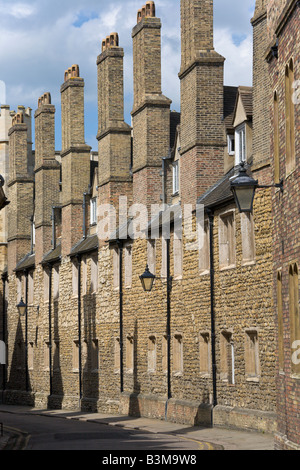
[
  {"x": 17, "y": 10},
  {"x": 40, "y": 39}
]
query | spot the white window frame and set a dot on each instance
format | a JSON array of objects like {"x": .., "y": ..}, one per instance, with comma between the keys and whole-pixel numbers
[
  {"x": 175, "y": 177},
  {"x": 231, "y": 144},
  {"x": 240, "y": 144},
  {"x": 93, "y": 211}
]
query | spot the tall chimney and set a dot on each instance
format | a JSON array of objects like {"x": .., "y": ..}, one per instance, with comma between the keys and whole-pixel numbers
[
  {"x": 202, "y": 131},
  {"x": 20, "y": 193},
  {"x": 151, "y": 110},
  {"x": 75, "y": 158},
  {"x": 47, "y": 175},
  {"x": 114, "y": 135}
]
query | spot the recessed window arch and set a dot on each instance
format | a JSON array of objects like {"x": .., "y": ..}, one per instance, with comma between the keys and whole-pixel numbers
[
  {"x": 289, "y": 117},
  {"x": 276, "y": 139}
]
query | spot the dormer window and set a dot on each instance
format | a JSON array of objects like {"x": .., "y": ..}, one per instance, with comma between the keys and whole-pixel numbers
[{"x": 93, "y": 211}]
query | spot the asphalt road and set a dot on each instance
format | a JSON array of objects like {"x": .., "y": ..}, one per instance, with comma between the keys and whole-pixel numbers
[{"x": 36, "y": 432}]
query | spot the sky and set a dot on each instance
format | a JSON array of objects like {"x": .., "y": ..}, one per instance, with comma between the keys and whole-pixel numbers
[{"x": 40, "y": 39}]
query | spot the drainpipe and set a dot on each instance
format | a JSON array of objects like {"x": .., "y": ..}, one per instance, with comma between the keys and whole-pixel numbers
[
  {"x": 120, "y": 246},
  {"x": 212, "y": 305},
  {"x": 169, "y": 288},
  {"x": 78, "y": 256},
  {"x": 84, "y": 215},
  {"x": 50, "y": 329}
]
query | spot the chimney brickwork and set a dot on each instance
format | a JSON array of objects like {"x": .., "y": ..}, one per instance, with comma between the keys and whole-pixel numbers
[
  {"x": 75, "y": 158},
  {"x": 151, "y": 109},
  {"x": 47, "y": 175},
  {"x": 114, "y": 135},
  {"x": 202, "y": 130},
  {"x": 20, "y": 193}
]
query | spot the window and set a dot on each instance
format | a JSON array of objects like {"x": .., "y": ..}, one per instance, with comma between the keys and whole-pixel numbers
[
  {"x": 151, "y": 256},
  {"x": 30, "y": 356},
  {"x": 128, "y": 265},
  {"x": 56, "y": 356},
  {"x": 178, "y": 257},
  {"x": 204, "y": 261},
  {"x": 165, "y": 354},
  {"x": 204, "y": 353},
  {"x": 117, "y": 354},
  {"x": 30, "y": 288},
  {"x": 46, "y": 355},
  {"x": 116, "y": 263},
  {"x": 230, "y": 144},
  {"x": 151, "y": 354},
  {"x": 289, "y": 118},
  {"x": 75, "y": 356},
  {"x": 252, "y": 367},
  {"x": 176, "y": 177},
  {"x": 280, "y": 321},
  {"x": 226, "y": 240},
  {"x": 93, "y": 208},
  {"x": 294, "y": 315},
  {"x": 240, "y": 138},
  {"x": 46, "y": 285},
  {"x": 129, "y": 354},
  {"x": 95, "y": 355},
  {"x": 84, "y": 275},
  {"x": 75, "y": 278},
  {"x": 178, "y": 354},
  {"x": 248, "y": 238},
  {"x": 19, "y": 288},
  {"x": 55, "y": 282},
  {"x": 276, "y": 140},
  {"x": 227, "y": 357},
  {"x": 94, "y": 274}
]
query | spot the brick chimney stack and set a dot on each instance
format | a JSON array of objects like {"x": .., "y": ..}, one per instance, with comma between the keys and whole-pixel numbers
[
  {"x": 20, "y": 193},
  {"x": 47, "y": 175},
  {"x": 151, "y": 110},
  {"x": 202, "y": 131},
  {"x": 75, "y": 158},
  {"x": 114, "y": 135}
]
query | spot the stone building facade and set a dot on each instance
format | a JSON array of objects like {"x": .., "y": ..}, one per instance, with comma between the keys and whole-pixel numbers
[
  {"x": 282, "y": 57},
  {"x": 91, "y": 337}
]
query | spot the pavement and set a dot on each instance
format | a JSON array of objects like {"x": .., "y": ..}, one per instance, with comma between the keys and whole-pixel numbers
[{"x": 210, "y": 438}]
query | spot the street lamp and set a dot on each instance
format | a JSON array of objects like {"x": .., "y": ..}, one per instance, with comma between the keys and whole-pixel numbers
[
  {"x": 243, "y": 188},
  {"x": 147, "y": 280},
  {"x": 21, "y": 308}
]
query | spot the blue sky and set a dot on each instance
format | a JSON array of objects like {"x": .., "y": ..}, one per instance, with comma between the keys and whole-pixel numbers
[{"x": 41, "y": 38}]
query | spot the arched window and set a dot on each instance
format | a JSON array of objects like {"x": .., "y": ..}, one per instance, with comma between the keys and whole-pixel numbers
[
  {"x": 280, "y": 321},
  {"x": 289, "y": 117},
  {"x": 276, "y": 140}
]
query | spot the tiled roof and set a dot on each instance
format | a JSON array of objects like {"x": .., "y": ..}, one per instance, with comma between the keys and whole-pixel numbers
[
  {"x": 85, "y": 245},
  {"x": 247, "y": 99},
  {"x": 26, "y": 263},
  {"x": 219, "y": 193},
  {"x": 53, "y": 255}
]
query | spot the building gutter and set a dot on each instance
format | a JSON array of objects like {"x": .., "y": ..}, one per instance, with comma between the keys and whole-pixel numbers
[{"x": 50, "y": 266}]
